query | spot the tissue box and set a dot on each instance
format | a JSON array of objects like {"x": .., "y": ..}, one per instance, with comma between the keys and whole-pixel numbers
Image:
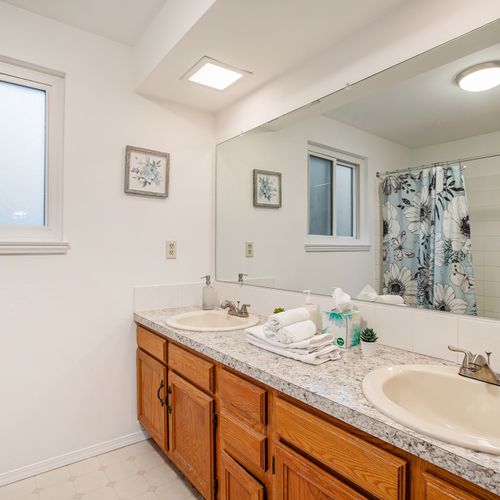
[{"x": 345, "y": 327}]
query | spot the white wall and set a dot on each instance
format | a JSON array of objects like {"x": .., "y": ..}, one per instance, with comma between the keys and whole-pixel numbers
[
  {"x": 482, "y": 181},
  {"x": 279, "y": 235},
  {"x": 67, "y": 362}
]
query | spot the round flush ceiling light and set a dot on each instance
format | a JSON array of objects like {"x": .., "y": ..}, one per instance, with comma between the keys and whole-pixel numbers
[{"x": 480, "y": 77}]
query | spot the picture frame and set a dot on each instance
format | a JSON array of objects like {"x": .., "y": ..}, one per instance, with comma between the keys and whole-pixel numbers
[
  {"x": 146, "y": 172},
  {"x": 267, "y": 189}
]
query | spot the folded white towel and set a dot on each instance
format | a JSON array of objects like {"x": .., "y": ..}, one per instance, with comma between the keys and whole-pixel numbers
[
  {"x": 329, "y": 352},
  {"x": 302, "y": 330},
  {"x": 396, "y": 300},
  {"x": 307, "y": 346},
  {"x": 285, "y": 318}
]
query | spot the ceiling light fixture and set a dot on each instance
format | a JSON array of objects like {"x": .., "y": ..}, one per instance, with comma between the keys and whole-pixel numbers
[
  {"x": 480, "y": 77},
  {"x": 214, "y": 74}
]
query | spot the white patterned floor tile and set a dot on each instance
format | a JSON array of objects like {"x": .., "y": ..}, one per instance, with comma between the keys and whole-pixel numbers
[
  {"x": 106, "y": 493},
  {"x": 64, "y": 490},
  {"x": 51, "y": 477},
  {"x": 19, "y": 488},
  {"x": 131, "y": 487},
  {"x": 92, "y": 481}
]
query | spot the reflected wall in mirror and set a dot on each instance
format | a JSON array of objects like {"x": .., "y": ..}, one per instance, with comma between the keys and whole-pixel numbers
[{"x": 391, "y": 189}]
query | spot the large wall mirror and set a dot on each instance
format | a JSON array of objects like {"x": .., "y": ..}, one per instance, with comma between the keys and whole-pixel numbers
[{"x": 389, "y": 188}]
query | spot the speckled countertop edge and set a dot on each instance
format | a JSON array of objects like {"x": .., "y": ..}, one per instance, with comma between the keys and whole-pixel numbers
[{"x": 335, "y": 389}]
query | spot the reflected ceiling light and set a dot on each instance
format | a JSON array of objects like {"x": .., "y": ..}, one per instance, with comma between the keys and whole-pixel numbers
[
  {"x": 480, "y": 77},
  {"x": 214, "y": 74}
]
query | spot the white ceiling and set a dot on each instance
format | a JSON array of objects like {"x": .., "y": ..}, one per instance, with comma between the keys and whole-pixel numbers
[
  {"x": 429, "y": 108},
  {"x": 119, "y": 20},
  {"x": 262, "y": 36}
]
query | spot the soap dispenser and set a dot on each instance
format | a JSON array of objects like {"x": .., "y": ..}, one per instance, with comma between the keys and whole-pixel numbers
[
  {"x": 313, "y": 310},
  {"x": 207, "y": 294}
]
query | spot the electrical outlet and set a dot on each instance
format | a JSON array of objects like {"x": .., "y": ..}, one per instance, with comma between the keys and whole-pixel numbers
[
  {"x": 171, "y": 250},
  {"x": 249, "y": 249}
]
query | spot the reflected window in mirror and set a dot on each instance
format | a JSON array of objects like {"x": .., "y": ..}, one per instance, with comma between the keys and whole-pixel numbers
[{"x": 333, "y": 187}]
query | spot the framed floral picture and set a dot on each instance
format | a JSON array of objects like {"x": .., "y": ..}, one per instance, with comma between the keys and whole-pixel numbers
[
  {"x": 266, "y": 189},
  {"x": 146, "y": 172}
]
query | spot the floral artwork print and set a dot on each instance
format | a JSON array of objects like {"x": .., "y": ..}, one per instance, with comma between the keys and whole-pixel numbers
[
  {"x": 427, "y": 256},
  {"x": 266, "y": 189},
  {"x": 146, "y": 172}
]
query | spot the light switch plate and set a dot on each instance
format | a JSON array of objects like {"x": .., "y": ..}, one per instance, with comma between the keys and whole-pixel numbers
[
  {"x": 171, "y": 249},
  {"x": 249, "y": 249}
]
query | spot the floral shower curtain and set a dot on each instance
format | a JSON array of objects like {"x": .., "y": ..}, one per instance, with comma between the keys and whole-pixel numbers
[{"x": 427, "y": 256}]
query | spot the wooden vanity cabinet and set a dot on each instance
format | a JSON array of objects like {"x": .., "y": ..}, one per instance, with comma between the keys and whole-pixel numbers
[
  {"x": 236, "y": 482},
  {"x": 191, "y": 433},
  {"x": 236, "y": 439},
  {"x": 298, "y": 478},
  {"x": 152, "y": 385}
]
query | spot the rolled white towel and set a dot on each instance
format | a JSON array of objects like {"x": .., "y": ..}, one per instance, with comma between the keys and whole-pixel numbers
[
  {"x": 395, "y": 300},
  {"x": 296, "y": 332},
  {"x": 285, "y": 318}
]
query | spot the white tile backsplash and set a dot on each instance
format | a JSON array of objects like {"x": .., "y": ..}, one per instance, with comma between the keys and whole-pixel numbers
[
  {"x": 433, "y": 333},
  {"x": 425, "y": 332},
  {"x": 395, "y": 326},
  {"x": 480, "y": 335}
]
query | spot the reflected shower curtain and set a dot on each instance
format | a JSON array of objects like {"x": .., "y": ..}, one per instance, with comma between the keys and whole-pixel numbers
[{"x": 427, "y": 257}]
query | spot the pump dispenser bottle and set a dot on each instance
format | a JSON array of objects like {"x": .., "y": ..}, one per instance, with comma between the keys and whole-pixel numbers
[
  {"x": 313, "y": 311},
  {"x": 207, "y": 294}
]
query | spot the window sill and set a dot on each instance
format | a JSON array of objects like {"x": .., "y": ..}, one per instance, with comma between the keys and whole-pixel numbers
[
  {"x": 34, "y": 248},
  {"x": 337, "y": 247}
]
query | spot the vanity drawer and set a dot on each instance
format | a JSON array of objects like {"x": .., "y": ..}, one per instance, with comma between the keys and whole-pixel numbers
[
  {"x": 191, "y": 367},
  {"x": 375, "y": 470},
  {"x": 152, "y": 344},
  {"x": 245, "y": 443},
  {"x": 243, "y": 399},
  {"x": 438, "y": 489}
]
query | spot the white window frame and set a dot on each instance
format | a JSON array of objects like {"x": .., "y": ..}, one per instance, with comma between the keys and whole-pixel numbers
[
  {"x": 359, "y": 242},
  {"x": 46, "y": 239}
]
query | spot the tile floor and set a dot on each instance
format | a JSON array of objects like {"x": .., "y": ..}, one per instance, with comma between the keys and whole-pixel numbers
[{"x": 136, "y": 472}]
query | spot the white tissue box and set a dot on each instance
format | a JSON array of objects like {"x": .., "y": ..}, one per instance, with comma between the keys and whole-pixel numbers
[{"x": 345, "y": 327}]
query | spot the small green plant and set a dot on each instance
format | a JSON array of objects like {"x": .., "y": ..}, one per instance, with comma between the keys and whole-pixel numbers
[
  {"x": 278, "y": 310},
  {"x": 369, "y": 335}
]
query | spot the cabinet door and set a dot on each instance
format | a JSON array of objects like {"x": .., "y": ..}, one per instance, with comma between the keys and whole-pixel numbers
[
  {"x": 236, "y": 482},
  {"x": 151, "y": 391},
  {"x": 297, "y": 477},
  {"x": 191, "y": 436},
  {"x": 438, "y": 489}
]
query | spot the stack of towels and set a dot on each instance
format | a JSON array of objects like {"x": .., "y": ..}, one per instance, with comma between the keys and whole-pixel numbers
[{"x": 293, "y": 334}]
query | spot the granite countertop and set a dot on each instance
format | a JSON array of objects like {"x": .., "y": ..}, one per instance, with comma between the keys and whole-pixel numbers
[{"x": 335, "y": 389}]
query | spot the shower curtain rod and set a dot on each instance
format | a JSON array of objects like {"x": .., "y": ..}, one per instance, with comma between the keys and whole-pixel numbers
[{"x": 436, "y": 164}]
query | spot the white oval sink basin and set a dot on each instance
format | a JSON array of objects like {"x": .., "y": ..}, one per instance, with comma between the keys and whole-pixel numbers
[
  {"x": 210, "y": 321},
  {"x": 436, "y": 401}
]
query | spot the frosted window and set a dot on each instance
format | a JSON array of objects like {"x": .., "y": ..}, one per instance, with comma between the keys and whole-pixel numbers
[
  {"x": 22, "y": 155},
  {"x": 320, "y": 195},
  {"x": 344, "y": 186}
]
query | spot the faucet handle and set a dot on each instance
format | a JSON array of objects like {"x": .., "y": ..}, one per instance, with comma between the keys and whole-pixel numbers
[
  {"x": 243, "y": 309},
  {"x": 488, "y": 354},
  {"x": 467, "y": 354}
]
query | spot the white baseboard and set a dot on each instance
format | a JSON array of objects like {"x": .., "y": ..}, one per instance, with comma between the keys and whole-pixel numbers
[{"x": 71, "y": 458}]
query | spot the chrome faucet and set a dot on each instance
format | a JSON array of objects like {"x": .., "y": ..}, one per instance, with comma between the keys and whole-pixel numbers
[
  {"x": 476, "y": 366},
  {"x": 235, "y": 309}
]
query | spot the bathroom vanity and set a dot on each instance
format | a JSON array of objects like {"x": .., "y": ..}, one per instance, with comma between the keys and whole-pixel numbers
[{"x": 242, "y": 423}]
